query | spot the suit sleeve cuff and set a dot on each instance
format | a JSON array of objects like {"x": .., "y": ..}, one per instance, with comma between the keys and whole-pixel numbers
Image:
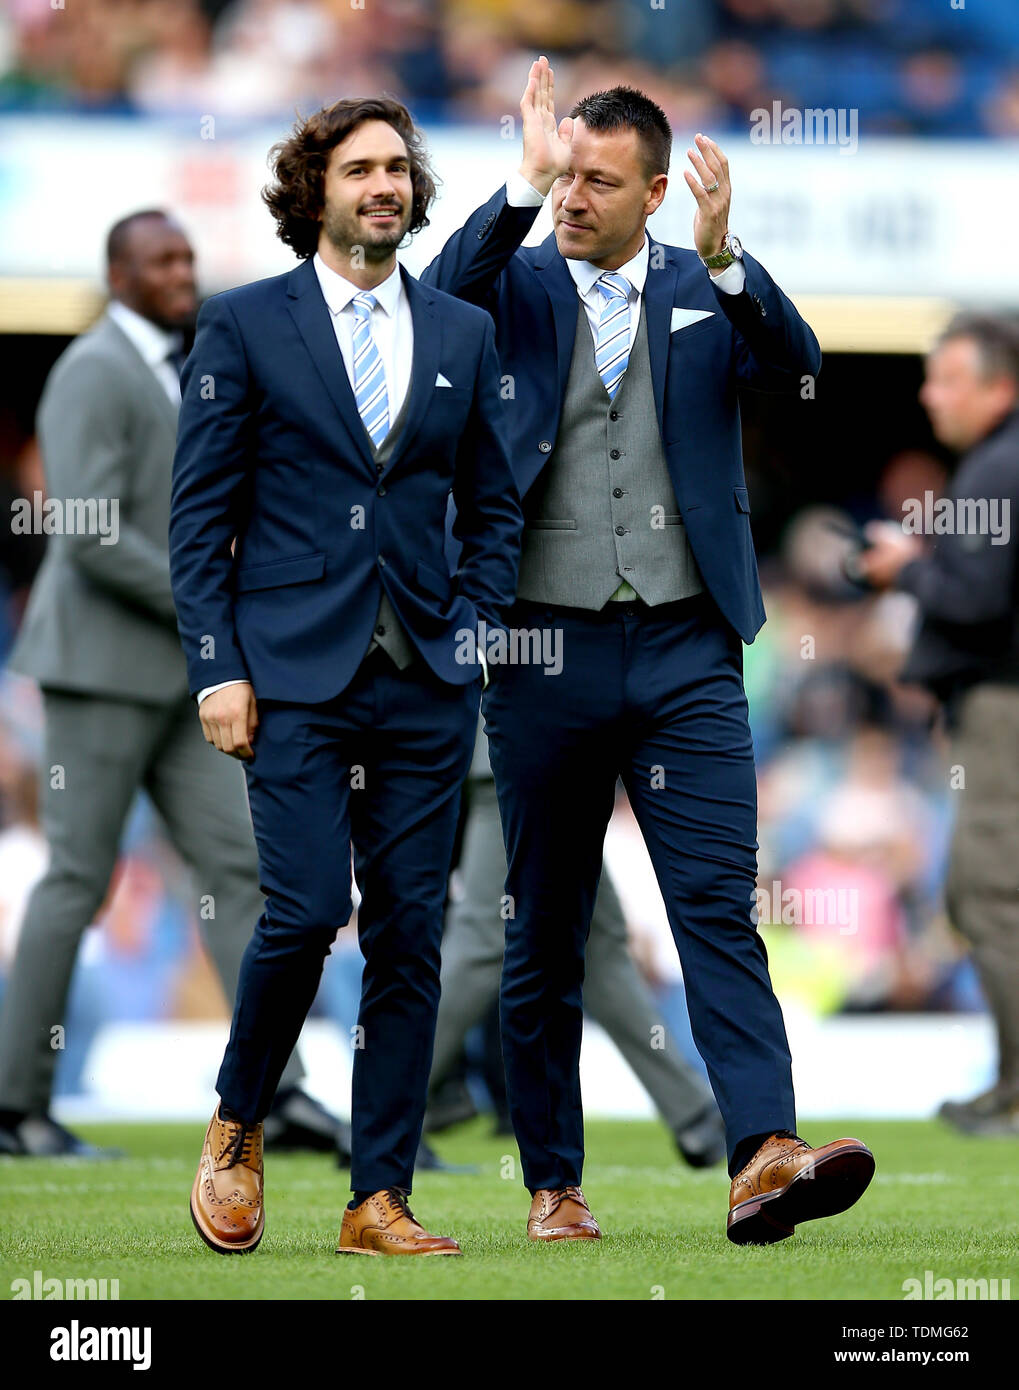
[
  {"x": 521, "y": 194},
  {"x": 211, "y": 689},
  {"x": 731, "y": 280}
]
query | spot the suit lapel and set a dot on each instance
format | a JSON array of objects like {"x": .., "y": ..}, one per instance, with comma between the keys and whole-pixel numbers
[
  {"x": 659, "y": 297},
  {"x": 425, "y": 363},
  {"x": 314, "y": 323},
  {"x": 144, "y": 375},
  {"x": 561, "y": 290}
]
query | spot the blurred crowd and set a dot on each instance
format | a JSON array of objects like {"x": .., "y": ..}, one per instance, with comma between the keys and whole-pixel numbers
[
  {"x": 908, "y": 67},
  {"x": 854, "y": 787}
]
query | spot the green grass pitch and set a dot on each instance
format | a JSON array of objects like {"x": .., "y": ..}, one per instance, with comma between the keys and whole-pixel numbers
[{"x": 938, "y": 1202}]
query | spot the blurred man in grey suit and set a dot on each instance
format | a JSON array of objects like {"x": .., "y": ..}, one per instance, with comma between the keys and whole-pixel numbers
[{"x": 100, "y": 637}]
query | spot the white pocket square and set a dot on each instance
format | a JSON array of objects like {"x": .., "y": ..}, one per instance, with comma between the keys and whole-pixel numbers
[
  {"x": 440, "y": 380},
  {"x": 683, "y": 318}
]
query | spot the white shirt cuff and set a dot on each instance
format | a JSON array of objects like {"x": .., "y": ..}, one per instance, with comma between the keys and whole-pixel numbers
[
  {"x": 520, "y": 193},
  {"x": 211, "y": 689},
  {"x": 732, "y": 279}
]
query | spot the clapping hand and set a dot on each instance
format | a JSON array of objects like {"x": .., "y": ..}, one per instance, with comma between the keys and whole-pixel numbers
[{"x": 546, "y": 145}]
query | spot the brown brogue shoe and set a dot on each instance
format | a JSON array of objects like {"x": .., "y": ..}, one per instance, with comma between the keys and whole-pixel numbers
[
  {"x": 787, "y": 1182},
  {"x": 385, "y": 1225},
  {"x": 561, "y": 1214},
  {"x": 227, "y": 1204}
]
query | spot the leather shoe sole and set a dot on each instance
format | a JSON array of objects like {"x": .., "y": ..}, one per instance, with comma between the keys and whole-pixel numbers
[
  {"x": 390, "y": 1254},
  {"x": 826, "y": 1187},
  {"x": 222, "y": 1247},
  {"x": 579, "y": 1231}
]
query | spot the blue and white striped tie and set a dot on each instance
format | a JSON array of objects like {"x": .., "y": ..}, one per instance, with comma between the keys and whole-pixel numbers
[
  {"x": 369, "y": 376},
  {"x": 612, "y": 350}
]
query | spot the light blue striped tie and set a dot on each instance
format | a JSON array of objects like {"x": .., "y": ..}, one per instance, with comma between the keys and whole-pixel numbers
[
  {"x": 369, "y": 376},
  {"x": 612, "y": 350}
]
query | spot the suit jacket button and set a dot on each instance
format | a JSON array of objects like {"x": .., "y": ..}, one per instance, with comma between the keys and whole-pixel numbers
[{"x": 545, "y": 446}]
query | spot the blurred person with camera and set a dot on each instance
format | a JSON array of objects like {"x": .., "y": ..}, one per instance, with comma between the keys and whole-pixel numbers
[
  {"x": 100, "y": 637},
  {"x": 967, "y": 652}
]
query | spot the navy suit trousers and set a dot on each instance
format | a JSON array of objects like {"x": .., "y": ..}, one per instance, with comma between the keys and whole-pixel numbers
[
  {"x": 654, "y": 696},
  {"x": 378, "y": 770}
]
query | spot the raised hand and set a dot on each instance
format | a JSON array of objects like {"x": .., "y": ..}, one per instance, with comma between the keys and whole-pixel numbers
[
  {"x": 713, "y": 192},
  {"x": 546, "y": 145}
]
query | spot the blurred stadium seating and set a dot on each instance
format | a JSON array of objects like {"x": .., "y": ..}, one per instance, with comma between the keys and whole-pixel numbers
[{"x": 911, "y": 67}]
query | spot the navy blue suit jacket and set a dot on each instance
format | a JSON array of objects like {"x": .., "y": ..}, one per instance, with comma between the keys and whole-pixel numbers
[
  {"x": 272, "y": 459},
  {"x": 755, "y": 338}
]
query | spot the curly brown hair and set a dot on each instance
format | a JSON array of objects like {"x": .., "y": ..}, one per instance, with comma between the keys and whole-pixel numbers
[{"x": 296, "y": 198}]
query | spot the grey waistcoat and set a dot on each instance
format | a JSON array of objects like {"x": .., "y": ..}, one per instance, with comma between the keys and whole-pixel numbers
[
  {"x": 392, "y": 639},
  {"x": 604, "y": 510}
]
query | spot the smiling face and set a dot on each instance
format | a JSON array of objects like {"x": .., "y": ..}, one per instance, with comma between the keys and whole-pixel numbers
[
  {"x": 368, "y": 194},
  {"x": 600, "y": 206},
  {"x": 154, "y": 273}
]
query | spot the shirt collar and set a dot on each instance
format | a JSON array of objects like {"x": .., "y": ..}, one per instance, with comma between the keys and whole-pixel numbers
[
  {"x": 153, "y": 344},
  {"x": 338, "y": 291},
  {"x": 585, "y": 275}
]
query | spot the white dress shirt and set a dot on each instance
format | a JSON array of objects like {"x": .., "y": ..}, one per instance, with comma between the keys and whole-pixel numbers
[
  {"x": 393, "y": 330},
  {"x": 392, "y": 327},
  {"x": 154, "y": 345},
  {"x": 521, "y": 193},
  {"x": 586, "y": 277}
]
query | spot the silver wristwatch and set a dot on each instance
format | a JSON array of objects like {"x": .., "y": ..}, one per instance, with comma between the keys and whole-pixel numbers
[{"x": 732, "y": 250}]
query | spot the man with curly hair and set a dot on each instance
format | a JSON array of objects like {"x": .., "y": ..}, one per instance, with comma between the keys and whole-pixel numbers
[{"x": 327, "y": 415}]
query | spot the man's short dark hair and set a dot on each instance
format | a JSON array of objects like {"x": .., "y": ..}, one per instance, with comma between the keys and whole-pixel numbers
[
  {"x": 996, "y": 338},
  {"x": 119, "y": 235},
  {"x": 624, "y": 108},
  {"x": 297, "y": 197}
]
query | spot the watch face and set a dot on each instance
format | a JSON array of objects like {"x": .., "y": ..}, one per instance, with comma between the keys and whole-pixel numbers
[{"x": 735, "y": 246}]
